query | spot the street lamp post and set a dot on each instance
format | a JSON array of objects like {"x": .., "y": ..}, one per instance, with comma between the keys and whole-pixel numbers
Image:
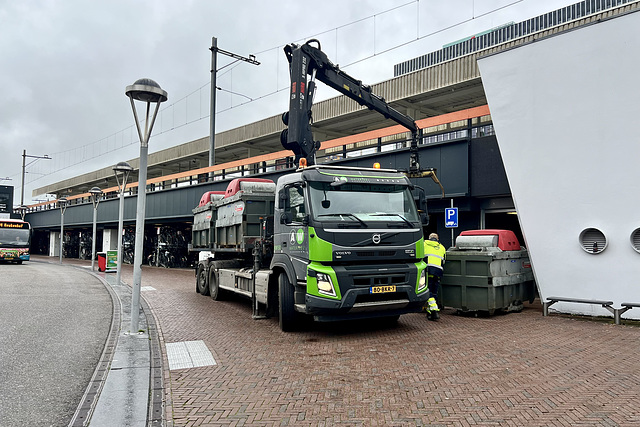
[
  {"x": 62, "y": 204},
  {"x": 148, "y": 91},
  {"x": 22, "y": 210},
  {"x": 124, "y": 169},
  {"x": 95, "y": 200}
]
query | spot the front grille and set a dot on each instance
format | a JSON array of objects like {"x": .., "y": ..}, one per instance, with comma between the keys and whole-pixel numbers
[
  {"x": 373, "y": 253},
  {"x": 365, "y": 253},
  {"x": 368, "y": 281}
]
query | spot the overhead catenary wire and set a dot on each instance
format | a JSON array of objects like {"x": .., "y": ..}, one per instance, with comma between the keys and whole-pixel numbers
[{"x": 98, "y": 148}]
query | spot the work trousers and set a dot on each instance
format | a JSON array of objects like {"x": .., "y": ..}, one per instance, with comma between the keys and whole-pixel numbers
[{"x": 435, "y": 274}]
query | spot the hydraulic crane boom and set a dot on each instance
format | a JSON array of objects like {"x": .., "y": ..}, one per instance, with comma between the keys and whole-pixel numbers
[{"x": 307, "y": 60}]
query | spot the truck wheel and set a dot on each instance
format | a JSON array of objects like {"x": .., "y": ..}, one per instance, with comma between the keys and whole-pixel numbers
[
  {"x": 287, "y": 314},
  {"x": 199, "y": 277},
  {"x": 203, "y": 285},
  {"x": 214, "y": 289}
]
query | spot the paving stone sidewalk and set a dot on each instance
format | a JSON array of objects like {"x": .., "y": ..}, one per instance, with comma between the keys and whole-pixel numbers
[{"x": 518, "y": 369}]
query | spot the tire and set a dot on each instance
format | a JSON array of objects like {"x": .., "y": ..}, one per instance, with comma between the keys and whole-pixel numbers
[
  {"x": 201, "y": 281},
  {"x": 198, "y": 273},
  {"x": 214, "y": 289},
  {"x": 286, "y": 311}
]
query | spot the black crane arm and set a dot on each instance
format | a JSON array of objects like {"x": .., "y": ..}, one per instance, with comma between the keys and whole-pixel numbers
[
  {"x": 307, "y": 60},
  {"x": 329, "y": 74}
]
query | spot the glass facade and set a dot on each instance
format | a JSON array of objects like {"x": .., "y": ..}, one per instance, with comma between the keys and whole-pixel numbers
[{"x": 506, "y": 33}]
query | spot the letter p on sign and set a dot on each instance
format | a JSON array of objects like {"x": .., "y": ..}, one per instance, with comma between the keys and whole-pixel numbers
[{"x": 451, "y": 217}]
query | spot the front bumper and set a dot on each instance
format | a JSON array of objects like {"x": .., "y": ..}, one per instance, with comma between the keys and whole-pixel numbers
[
  {"x": 360, "y": 304},
  {"x": 14, "y": 255}
]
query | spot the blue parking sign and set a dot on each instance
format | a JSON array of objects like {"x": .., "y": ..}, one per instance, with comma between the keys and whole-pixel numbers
[{"x": 451, "y": 217}]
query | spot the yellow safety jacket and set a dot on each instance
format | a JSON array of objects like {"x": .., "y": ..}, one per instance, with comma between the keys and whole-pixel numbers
[{"x": 435, "y": 253}]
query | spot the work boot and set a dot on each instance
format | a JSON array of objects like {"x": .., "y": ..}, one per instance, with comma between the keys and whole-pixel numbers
[
  {"x": 433, "y": 305},
  {"x": 433, "y": 315}
]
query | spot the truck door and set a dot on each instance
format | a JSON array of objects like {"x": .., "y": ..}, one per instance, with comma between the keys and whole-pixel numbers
[{"x": 295, "y": 228}]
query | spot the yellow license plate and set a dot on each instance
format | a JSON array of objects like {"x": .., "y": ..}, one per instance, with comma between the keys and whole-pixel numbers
[{"x": 382, "y": 289}]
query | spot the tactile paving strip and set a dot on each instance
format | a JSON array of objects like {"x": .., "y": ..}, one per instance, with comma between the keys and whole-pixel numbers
[{"x": 189, "y": 354}]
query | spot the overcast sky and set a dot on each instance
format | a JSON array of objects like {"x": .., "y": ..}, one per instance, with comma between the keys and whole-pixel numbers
[{"x": 65, "y": 66}]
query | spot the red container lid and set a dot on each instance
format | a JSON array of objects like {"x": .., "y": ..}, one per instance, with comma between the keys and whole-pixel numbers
[
  {"x": 206, "y": 197},
  {"x": 507, "y": 240},
  {"x": 234, "y": 185}
]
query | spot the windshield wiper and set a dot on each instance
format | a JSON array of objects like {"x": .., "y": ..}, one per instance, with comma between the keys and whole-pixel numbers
[
  {"x": 349, "y": 215},
  {"x": 395, "y": 214}
]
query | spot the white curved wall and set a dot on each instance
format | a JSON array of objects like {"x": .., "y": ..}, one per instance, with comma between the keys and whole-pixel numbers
[{"x": 567, "y": 116}]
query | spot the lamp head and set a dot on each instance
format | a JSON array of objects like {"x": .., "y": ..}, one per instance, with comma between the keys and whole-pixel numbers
[
  {"x": 95, "y": 191},
  {"x": 146, "y": 90},
  {"x": 122, "y": 167}
]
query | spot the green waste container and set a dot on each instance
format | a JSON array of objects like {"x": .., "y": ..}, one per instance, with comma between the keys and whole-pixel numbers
[{"x": 487, "y": 271}]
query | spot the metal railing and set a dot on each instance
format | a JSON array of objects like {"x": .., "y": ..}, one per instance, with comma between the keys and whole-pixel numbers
[{"x": 470, "y": 123}]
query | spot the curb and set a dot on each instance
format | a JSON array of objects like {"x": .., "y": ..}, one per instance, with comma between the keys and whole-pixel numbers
[
  {"x": 155, "y": 413},
  {"x": 92, "y": 393}
]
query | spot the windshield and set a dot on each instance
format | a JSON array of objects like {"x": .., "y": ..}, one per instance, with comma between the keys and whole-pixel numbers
[
  {"x": 14, "y": 238},
  {"x": 363, "y": 203}
]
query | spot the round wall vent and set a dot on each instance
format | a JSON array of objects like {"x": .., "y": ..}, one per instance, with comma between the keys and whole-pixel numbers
[
  {"x": 635, "y": 240},
  {"x": 593, "y": 240}
]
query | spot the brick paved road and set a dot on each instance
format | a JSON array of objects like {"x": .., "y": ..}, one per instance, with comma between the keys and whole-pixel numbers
[{"x": 518, "y": 369}]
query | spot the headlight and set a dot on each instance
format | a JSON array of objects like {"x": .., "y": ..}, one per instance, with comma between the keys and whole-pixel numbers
[
  {"x": 423, "y": 280},
  {"x": 325, "y": 286}
]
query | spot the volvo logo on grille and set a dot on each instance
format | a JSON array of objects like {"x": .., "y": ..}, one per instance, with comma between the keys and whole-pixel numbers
[{"x": 376, "y": 238}]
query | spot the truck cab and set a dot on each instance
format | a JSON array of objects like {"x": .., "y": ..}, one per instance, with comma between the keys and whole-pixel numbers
[{"x": 349, "y": 242}]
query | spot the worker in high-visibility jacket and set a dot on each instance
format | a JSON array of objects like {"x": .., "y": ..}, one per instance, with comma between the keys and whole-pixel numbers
[{"x": 435, "y": 255}]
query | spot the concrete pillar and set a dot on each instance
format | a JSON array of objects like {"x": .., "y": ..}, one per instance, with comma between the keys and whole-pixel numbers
[
  {"x": 109, "y": 240},
  {"x": 54, "y": 243}
]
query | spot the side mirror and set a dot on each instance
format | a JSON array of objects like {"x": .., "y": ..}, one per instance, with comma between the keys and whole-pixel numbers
[
  {"x": 286, "y": 218},
  {"x": 421, "y": 203},
  {"x": 283, "y": 200},
  {"x": 420, "y": 198},
  {"x": 424, "y": 219}
]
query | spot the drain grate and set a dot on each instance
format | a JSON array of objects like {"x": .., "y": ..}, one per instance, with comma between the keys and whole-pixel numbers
[{"x": 189, "y": 354}]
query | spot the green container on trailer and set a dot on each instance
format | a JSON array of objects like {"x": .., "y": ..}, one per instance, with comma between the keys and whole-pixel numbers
[
  {"x": 204, "y": 220},
  {"x": 486, "y": 271},
  {"x": 231, "y": 220}
]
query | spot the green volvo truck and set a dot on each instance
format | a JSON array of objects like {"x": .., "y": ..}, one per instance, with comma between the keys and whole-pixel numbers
[{"x": 328, "y": 242}]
